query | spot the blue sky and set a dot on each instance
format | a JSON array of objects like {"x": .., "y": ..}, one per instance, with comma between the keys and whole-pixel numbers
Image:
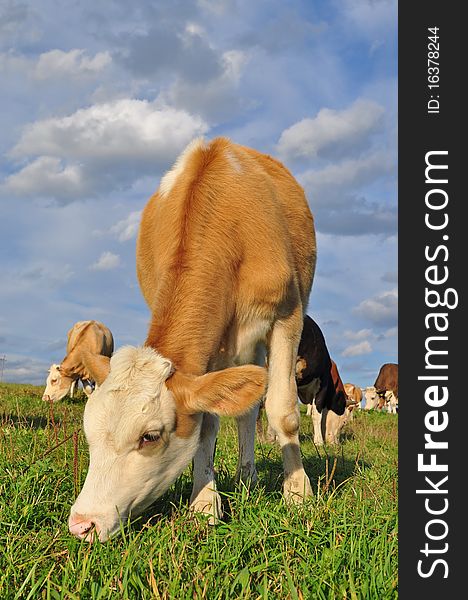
[{"x": 98, "y": 99}]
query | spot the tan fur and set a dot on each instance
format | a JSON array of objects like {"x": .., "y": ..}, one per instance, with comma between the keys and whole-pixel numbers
[
  {"x": 86, "y": 338},
  {"x": 234, "y": 247},
  {"x": 96, "y": 365},
  {"x": 354, "y": 393},
  {"x": 225, "y": 260},
  {"x": 89, "y": 336}
]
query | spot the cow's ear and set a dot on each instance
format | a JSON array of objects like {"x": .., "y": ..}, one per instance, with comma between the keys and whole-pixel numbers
[
  {"x": 230, "y": 392},
  {"x": 97, "y": 365}
]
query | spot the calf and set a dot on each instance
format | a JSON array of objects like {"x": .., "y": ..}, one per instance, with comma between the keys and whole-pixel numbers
[
  {"x": 225, "y": 260},
  {"x": 86, "y": 342}
]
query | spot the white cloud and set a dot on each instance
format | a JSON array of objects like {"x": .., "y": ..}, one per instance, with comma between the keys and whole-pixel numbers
[
  {"x": 47, "y": 176},
  {"x": 355, "y": 336},
  {"x": 357, "y": 349},
  {"x": 381, "y": 309},
  {"x": 331, "y": 130},
  {"x": 106, "y": 262},
  {"x": 57, "y": 63},
  {"x": 100, "y": 148},
  {"x": 113, "y": 130},
  {"x": 127, "y": 228}
]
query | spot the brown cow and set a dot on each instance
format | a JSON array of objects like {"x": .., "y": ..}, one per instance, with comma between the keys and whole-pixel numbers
[
  {"x": 225, "y": 260},
  {"x": 387, "y": 381}
]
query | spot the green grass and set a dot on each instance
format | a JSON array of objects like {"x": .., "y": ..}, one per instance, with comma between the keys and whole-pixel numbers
[{"x": 340, "y": 544}]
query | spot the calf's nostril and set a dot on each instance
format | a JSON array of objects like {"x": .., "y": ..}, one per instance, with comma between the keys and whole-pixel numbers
[{"x": 89, "y": 527}]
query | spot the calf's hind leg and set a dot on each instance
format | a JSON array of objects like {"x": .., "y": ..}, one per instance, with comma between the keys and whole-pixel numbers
[
  {"x": 247, "y": 426},
  {"x": 281, "y": 403}
]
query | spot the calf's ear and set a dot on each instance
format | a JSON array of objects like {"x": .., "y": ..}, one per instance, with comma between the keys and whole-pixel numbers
[
  {"x": 230, "y": 392},
  {"x": 97, "y": 365}
]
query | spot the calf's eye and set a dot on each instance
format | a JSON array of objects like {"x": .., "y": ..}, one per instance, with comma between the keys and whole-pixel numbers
[{"x": 151, "y": 437}]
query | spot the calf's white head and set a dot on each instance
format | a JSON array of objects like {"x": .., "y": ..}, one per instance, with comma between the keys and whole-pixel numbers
[
  {"x": 372, "y": 397},
  {"x": 143, "y": 427},
  {"x": 58, "y": 384}
]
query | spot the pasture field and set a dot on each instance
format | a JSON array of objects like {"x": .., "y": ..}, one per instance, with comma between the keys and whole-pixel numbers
[{"x": 341, "y": 544}]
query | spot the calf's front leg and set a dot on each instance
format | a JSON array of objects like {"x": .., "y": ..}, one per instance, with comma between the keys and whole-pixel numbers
[{"x": 205, "y": 499}]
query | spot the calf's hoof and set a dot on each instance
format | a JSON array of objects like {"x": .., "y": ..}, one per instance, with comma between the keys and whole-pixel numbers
[
  {"x": 247, "y": 474},
  {"x": 208, "y": 502},
  {"x": 297, "y": 488}
]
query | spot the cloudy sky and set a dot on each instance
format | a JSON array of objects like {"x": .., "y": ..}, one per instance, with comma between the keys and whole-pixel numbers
[{"x": 98, "y": 99}]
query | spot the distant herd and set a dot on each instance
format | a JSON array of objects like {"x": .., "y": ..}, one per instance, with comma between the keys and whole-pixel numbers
[{"x": 226, "y": 255}]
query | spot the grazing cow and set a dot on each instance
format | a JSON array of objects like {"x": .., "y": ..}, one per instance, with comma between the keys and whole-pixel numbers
[
  {"x": 387, "y": 380},
  {"x": 225, "y": 260},
  {"x": 354, "y": 394},
  {"x": 319, "y": 384},
  {"x": 371, "y": 398},
  {"x": 335, "y": 413},
  {"x": 87, "y": 340}
]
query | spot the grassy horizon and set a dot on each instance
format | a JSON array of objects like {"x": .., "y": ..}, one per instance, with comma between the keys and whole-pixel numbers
[{"x": 342, "y": 543}]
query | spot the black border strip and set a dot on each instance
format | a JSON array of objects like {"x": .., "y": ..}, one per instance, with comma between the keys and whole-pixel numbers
[{"x": 438, "y": 127}]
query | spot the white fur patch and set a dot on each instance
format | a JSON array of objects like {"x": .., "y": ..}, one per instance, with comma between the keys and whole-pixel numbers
[
  {"x": 131, "y": 364},
  {"x": 169, "y": 179},
  {"x": 233, "y": 161}
]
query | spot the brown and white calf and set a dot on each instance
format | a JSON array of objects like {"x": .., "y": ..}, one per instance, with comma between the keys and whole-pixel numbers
[
  {"x": 86, "y": 342},
  {"x": 225, "y": 259}
]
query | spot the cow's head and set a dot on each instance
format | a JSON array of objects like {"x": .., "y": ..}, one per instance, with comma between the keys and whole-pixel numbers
[
  {"x": 372, "y": 398},
  {"x": 58, "y": 384},
  {"x": 143, "y": 426}
]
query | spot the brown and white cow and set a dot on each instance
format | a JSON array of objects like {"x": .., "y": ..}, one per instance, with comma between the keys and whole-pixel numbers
[
  {"x": 391, "y": 402},
  {"x": 225, "y": 259},
  {"x": 319, "y": 385},
  {"x": 86, "y": 342},
  {"x": 354, "y": 393},
  {"x": 331, "y": 416},
  {"x": 387, "y": 381}
]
